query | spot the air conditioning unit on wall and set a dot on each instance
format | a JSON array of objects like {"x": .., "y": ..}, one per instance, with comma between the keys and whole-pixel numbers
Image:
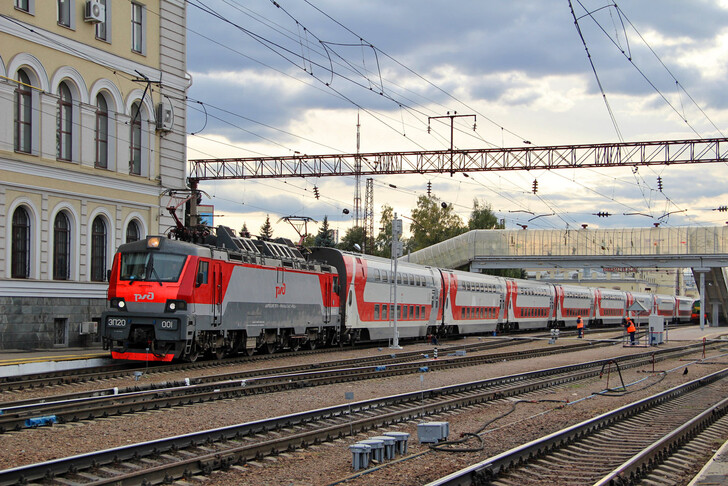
[
  {"x": 95, "y": 12},
  {"x": 165, "y": 116}
]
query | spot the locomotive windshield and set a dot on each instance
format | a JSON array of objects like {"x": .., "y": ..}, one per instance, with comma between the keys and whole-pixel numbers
[{"x": 151, "y": 266}]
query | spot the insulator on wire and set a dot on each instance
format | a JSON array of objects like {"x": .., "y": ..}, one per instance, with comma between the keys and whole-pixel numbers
[
  {"x": 659, "y": 183},
  {"x": 602, "y": 214},
  {"x": 429, "y": 188},
  {"x": 535, "y": 186},
  {"x": 722, "y": 209},
  {"x": 316, "y": 192}
]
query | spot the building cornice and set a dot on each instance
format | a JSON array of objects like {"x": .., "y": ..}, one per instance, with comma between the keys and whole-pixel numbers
[
  {"x": 73, "y": 177},
  {"x": 57, "y": 289}
]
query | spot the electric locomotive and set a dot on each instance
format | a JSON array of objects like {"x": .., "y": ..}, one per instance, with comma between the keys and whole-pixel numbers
[{"x": 171, "y": 299}]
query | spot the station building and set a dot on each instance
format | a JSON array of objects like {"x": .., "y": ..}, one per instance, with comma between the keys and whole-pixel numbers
[{"x": 92, "y": 138}]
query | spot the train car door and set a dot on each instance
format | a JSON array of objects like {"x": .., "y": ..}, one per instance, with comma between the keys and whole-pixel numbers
[
  {"x": 216, "y": 294},
  {"x": 592, "y": 306},
  {"x": 328, "y": 296},
  {"x": 552, "y": 305}
]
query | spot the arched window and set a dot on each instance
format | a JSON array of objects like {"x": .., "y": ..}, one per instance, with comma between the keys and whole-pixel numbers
[
  {"x": 132, "y": 232},
  {"x": 98, "y": 250},
  {"x": 65, "y": 123},
  {"x": 135, "y": 162},
  {"x": 102, "y": 132},
  {"x": 61, "y": 247},
  {"x": 20, "y": 251},
  {"x": 23, "y": 114}
]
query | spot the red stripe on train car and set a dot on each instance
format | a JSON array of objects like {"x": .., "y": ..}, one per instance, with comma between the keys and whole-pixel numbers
[{"x": 141, "y": 356}]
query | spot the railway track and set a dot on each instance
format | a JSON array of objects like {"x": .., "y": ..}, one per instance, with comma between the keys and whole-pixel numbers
[
  {"x": 112, "y": 401},
  {"x": 622, "y": 446},
  {"x": 168, "y": 459},
  {"x": 127, "y": 369}
]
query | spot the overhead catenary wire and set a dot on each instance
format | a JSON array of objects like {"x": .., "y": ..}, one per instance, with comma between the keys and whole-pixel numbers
[
  {"x": 358, "y": 45},
  {"x": 382, "y": 84},
  {"x": 630, "y": 58}
]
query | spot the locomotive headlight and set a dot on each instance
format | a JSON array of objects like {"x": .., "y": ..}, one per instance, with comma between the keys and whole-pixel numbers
[
  {"x": 117, "y": 303},
  {"x": 175, "y": 305},
  {"x": 153, "y": 242}
]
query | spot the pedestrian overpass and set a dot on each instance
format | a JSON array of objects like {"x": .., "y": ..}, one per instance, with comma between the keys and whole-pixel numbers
[{"x": 703, "y": 249}]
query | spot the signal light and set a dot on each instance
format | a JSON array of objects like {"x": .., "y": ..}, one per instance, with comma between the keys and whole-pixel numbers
[{"x": 535, "y": 186}]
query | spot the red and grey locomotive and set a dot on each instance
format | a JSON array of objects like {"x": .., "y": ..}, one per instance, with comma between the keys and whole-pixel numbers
[{"x": 172, "y": 299}]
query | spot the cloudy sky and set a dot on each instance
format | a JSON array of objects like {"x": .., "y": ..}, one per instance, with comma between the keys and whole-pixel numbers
[{"x": 275, "y": 78}]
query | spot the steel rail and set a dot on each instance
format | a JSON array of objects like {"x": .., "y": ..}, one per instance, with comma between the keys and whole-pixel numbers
[
  {"x": 490, "y": 469},
  {"x": 95, "y": 404},
  {"x": 348, "y": 419},
  {"x": 640, "y": 464},
  {"x": 120, "y": 370},
  {"x": 247, "y": 374},
  {"x": 117, "y": 370},
  {"x": 690, "y": 457}
]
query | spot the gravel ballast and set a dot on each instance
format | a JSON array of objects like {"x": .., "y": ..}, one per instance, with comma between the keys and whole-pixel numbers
[{"x": 328, "y": 463}]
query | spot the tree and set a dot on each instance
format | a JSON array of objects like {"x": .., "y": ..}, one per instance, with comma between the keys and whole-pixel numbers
[
  {"x": 434, "y": 222},
  {"x": 244, "y": 233},
  {"x": 266, "y": 231},
  {"x": 325, "y": 236},
  {"x": 309, "y": 241},
  {"x": 353, "y": 236},
  {"x": 482, "y": 217},
  {"x": 383, "y": 242}
]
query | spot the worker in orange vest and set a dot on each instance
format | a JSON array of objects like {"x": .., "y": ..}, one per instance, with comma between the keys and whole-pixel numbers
[
  {"x": 631, "y": 330},
  {"x": 579, "y": 327}
]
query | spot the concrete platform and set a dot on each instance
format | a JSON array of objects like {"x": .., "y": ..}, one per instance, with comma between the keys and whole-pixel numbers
[
  {"x": 694, "y": 333},
  {"x": 16, "y": 356},
  {"x": 14, "y": 362}
]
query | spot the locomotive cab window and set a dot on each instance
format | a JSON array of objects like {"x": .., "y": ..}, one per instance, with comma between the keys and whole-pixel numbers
[
  {"x": 202, "y": 270},
  {"x": 149, "y": 266}
]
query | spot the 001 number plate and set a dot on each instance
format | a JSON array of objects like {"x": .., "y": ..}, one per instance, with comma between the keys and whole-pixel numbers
[{"x": 169, "y": 324}]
